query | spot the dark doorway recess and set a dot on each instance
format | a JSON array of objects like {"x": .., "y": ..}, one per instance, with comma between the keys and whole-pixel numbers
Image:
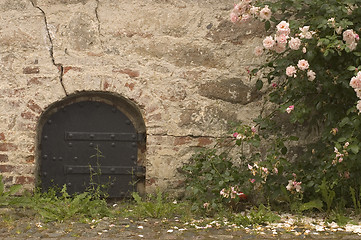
[{"x": 92, "y": 138}]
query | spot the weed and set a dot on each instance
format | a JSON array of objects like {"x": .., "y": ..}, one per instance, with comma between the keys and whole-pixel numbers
[
  {"x": 327, "y": 194},
  {"x": 256, "y": 216},
  {"x": 338, "y": 217},
  {"x": 52, "y": 207},
  {"x": 96, "y": 188},
  {"x": 154, "y": 206},
  {"x": 356, "y": 199},
  {"x": 6, "y": 196}
]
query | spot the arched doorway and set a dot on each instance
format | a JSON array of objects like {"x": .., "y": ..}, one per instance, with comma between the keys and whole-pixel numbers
[{"x": 92, "y": 138}]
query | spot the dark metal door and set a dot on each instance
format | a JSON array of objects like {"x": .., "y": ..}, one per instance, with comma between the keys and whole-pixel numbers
[{"x": 90, "y": 140}]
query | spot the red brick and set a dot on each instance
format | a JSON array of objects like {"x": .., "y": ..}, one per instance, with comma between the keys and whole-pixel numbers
[
  {"x": 6, "y": 168},
  {"x": 28, "y": 115},
  {"x": 33, "y": 106},
  {"x": 37, "y": 80},
  {"x": 24, "y": 180},
  {"x": 67, "y": 68},
  {"x": 151, "y": 181},
  {"x": 4, "y": 158},
  {"x": 7, "y": 147},
  {"x": 106, "y": 85},
  {"x": 130, "y": 85},
  {"x": 31, "y": 70},
  {"x": 34, "y": 80},
  {"x": 203, "y": 141},
  {"x": 181, "y": 140},
  {"x": 129, "y": 72},
  {"x": 2, "y": 136}
]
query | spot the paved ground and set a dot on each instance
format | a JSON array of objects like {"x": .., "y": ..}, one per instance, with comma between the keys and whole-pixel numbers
[{"x": 24, "y": 227}]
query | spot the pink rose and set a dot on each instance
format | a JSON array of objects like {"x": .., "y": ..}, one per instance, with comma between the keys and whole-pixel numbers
[
  {"x": 283, "y": 28},
  {"x": 282, "y": 39},
  {"x": 291, "y": 71},
  {"x": 265, "y": 13},
  {"x": 279, "y": 47},
  {"x": 245, "y": 17},
  {"x": 349, "y": 36},
  {"x": 355, "y": 82},
  {"x": 254, "y": 10},
  {"x": 358, "y": 106},
  {"x": 253, "y": 129},
  {"x": 294, "y": 43},
  {"x": 234, "y": 17},
  {"x": 303, "y": 64},
  {"x": 290, "y": 109},
  {"x": 311, "y": 75},
  {"x": 268, "y": 42}
]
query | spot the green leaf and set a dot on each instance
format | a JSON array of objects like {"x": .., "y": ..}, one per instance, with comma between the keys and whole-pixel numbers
[
  {"x": 294, "y": 138},
  {"x": 351, "y": 68},
  {"x": 311, "y": 204},
  {"x": 344, "y": 121},
  {"x": 14, "y": 189},
  {"x": 1, "y": 185},
  {"x": 341, "y": 139},
  {"x": 254, "y": 71},
  {"x": 284, "y": 150},
  {"x": 267, "y": 25},
  {"x": 354, "y": 148},
  {"x": 259, "y": 84}
]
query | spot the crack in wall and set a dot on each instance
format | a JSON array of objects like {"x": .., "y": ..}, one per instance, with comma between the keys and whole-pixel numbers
[
  {"x": 96, "y": 10},
  {"x": 59, "y": 66}
]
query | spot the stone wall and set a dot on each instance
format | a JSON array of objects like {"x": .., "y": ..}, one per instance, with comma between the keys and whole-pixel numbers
[{"x": 181, "y": 62}]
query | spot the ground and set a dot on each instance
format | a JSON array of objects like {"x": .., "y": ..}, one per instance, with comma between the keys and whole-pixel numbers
[{"x": 20, "y": 224}]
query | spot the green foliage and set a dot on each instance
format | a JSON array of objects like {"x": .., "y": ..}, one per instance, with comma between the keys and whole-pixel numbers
[
  {"x": 356, "y": 199},
  {"x": 54, "y": 207},
  {"x": 206, "y": 175},
  {"x": 327, "y": 194},
  {"x": 324, "y": 108},
  {"x": 96, "y": 188},
  {"x": 256, "y": 216},
  {"x": 338, "y": 218},
  {"x": 320, "y": 104},
  {"x": 155, "y": 206},
  {"x": 6, "y": 195}
]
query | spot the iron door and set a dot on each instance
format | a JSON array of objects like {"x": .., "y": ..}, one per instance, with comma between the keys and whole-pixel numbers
[{"x": 90, "y": 142}]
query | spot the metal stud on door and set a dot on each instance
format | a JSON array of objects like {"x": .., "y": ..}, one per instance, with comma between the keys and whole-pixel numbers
[{"x": 87, "y": 142}]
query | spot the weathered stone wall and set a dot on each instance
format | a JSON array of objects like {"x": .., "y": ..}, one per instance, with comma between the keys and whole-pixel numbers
[{"x": 182, "y": 62}]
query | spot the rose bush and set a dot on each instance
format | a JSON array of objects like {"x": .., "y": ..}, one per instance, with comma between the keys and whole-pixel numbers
[
  {"x": 313, "y": 59},
  {"x": 312, "y": 74}
]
